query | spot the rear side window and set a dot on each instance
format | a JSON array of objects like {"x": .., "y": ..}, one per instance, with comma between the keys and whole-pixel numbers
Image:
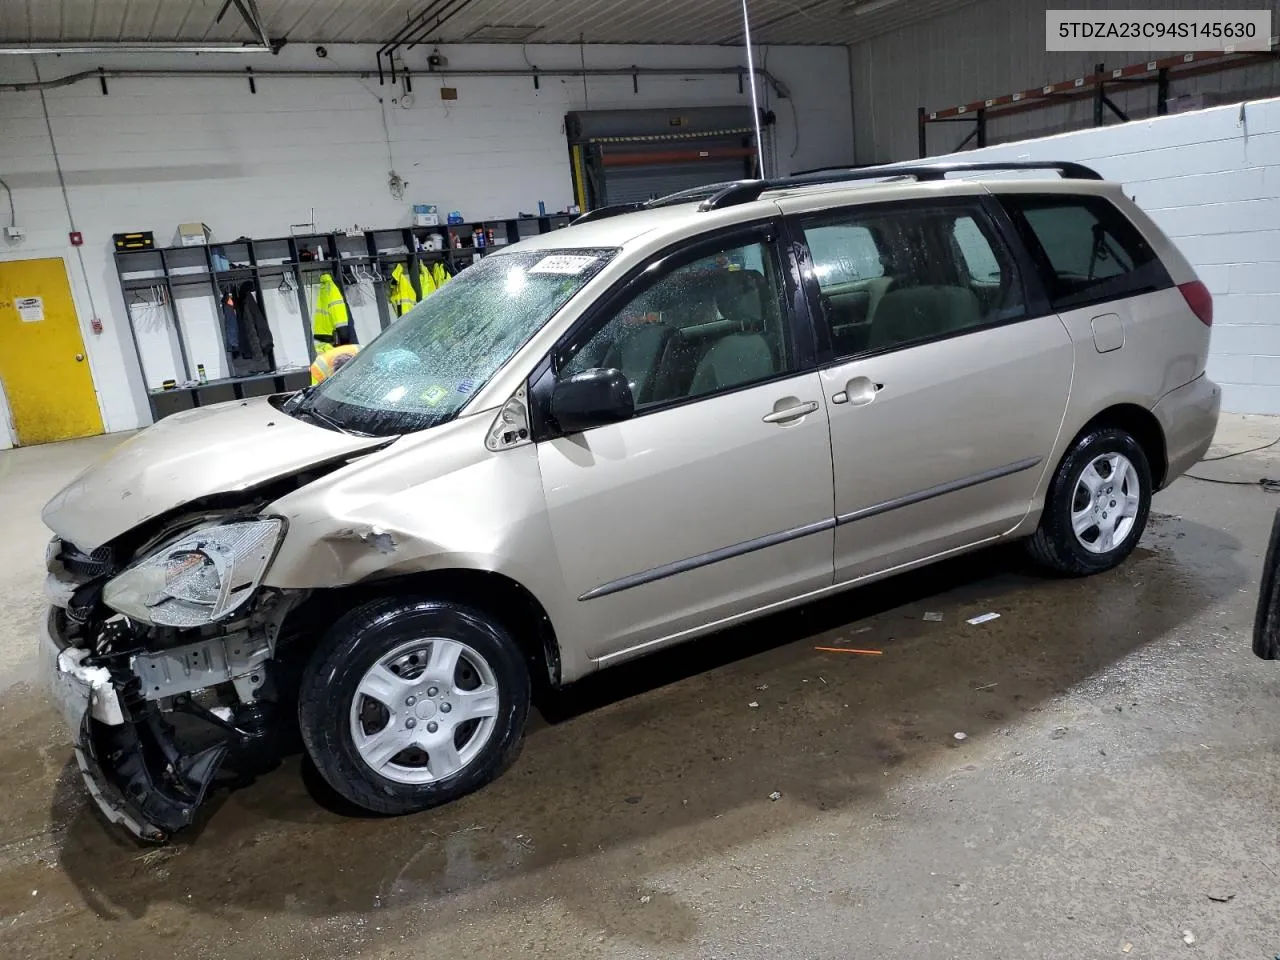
[
  {"x": 895, "y": 275},
  {"x": 975, "y": 249},
  {"x": 1090, "y": 252},
  {"x": 844, "y": 253}
]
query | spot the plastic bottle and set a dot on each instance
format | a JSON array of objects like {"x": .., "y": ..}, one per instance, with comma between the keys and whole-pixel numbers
[{"x": 201, "y": 374}]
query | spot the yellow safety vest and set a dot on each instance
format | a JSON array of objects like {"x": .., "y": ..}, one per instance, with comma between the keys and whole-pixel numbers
[
  {"x": 330, "y": 313},
  {"x": 400, "y": 291},
  {"x": 327, "y": 364},
  {"x": 439, "y": 274},
  {"x": 425, "y": 281}
]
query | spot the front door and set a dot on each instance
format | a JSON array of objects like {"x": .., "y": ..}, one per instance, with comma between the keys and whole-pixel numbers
[
  {"x": 42, "y": 358},
  {"x": 947, "y": 400},
  {"x": 715, "y": 498}
]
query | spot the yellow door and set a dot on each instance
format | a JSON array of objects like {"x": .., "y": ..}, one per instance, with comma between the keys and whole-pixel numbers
[{"x": 42, "y": 359}]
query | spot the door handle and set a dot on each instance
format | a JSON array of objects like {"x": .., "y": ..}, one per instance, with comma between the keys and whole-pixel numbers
[
  {"x": 787, "y": 414},
  {"x": 858, "y": 391}
]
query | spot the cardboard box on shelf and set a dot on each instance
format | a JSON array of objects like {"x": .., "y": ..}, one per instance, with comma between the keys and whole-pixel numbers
[{"x": 193, "y": 235}]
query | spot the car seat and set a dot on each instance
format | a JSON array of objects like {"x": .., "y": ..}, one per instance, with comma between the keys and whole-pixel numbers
[
  {"x": 745, "y": 353},
  {"x": 920, "y": 313}
]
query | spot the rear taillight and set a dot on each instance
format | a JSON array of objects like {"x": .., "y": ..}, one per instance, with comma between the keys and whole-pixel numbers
[{"x": 1199, "y": 299}]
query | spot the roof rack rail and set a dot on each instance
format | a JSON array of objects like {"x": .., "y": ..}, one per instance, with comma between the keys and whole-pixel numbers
[
  {"x": 600, "y": 213},
  {"x": 745, "y": 191},
  {"x": 681, "y": 196}
]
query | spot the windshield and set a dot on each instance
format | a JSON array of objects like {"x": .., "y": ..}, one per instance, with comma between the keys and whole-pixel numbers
[{"x": 423, "y": 369}]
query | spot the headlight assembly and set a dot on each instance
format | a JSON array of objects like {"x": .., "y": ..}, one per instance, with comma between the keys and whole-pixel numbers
[{"x": 201, "y": 577}]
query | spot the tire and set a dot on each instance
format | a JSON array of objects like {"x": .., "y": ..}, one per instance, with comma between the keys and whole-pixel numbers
[
  {"x": 1056, "y": 545},
  {"x": 368, "y": 658},
  {"x": 1266, "y": 618}
]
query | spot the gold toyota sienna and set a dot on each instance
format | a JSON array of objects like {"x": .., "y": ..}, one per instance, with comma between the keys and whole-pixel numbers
[{"x": 597, "y": 443}]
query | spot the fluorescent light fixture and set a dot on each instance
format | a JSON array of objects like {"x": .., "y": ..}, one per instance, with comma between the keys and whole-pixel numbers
[
  {"x": 503, "y": 33},
  {"x": 112, "y": 47}
]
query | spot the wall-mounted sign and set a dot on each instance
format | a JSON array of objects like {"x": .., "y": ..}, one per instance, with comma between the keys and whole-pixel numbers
[{"x": 30, "y": 309}]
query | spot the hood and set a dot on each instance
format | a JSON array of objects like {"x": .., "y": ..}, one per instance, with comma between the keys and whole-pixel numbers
[{"x": 224, "y": 448}]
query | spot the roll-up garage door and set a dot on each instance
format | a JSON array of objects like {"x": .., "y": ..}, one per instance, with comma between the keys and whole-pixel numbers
[{"x": 628, "y": 156}]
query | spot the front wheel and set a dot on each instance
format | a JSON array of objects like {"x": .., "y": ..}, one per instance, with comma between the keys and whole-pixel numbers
[
  {"x": 1097, "y": 504},
  {"x": 408, "y": 704}
]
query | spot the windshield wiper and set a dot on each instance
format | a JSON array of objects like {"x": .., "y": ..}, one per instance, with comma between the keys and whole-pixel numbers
[
  {"x": 320, "y": 418},
  {"x": 299, "y": 407}
]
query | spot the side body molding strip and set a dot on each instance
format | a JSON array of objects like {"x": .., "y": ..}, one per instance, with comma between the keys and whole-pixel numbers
[
  {"x": 951, "y": 486},
  {"x": 782, "y": 536},
  {"x": 702, "y": 559}
]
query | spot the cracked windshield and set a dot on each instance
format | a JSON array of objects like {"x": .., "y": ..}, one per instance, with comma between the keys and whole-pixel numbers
[{"x": 427, "y": 365}]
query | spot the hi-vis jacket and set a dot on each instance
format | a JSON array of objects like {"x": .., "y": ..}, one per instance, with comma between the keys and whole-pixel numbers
[
  {"x": 330, "y": 312},
  {"x": 400, "y": 291},
  {"x": 426, "y": 282},
  {"x": 439, "y": 275}
]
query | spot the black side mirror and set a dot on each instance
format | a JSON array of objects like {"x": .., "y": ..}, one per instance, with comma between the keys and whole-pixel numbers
[{"x": 592, "y": 399}]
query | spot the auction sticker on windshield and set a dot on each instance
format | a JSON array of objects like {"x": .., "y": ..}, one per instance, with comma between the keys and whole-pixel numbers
[{"x": 562, "y": 263}]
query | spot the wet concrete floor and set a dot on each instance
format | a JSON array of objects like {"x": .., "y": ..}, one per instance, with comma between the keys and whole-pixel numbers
[{"x": 1120, "y": 771}]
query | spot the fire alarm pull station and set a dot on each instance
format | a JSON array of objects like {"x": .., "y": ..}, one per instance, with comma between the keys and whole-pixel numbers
[{"x": 77, "y": 238}]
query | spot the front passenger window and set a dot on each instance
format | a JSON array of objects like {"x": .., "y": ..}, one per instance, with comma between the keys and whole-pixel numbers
[{"x": 700, "y": 328}]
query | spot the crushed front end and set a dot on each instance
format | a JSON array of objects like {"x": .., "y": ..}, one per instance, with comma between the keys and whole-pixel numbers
[{"x": 163, "y": 666}]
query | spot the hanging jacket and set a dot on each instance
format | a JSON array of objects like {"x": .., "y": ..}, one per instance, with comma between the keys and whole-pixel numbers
[
  {"x": 230, "y": 324},
  {"x": 426, "y": 283},
  {"x": 400, "y": 291},
  {"x": 330, "y": 313},
  {"x": 439, "y": 275},
  {"x": 252, "y": 321}
]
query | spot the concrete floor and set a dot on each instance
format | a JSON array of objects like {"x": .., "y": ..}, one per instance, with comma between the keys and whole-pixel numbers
[{"x": 1121, "y": 770}]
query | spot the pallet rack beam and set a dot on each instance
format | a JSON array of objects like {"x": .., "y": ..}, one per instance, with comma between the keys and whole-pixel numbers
[{"x": 1093, "y": 85}]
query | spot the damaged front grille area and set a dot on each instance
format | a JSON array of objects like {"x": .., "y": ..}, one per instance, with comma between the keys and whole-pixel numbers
[
  {"x": 191, "y": 702},
  {"x": 77, "y": 562}
]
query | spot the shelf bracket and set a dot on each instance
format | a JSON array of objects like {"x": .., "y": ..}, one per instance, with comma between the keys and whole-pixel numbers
[
  {"x": 102, "y": 79},
  {"x": 253, "y": 85}
]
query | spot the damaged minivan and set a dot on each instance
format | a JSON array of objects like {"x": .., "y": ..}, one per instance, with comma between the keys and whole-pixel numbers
[{"x": 609, "y": 439}]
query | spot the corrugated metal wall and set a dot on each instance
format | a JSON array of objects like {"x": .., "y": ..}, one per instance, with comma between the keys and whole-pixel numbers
[{"x": 996, "y": 47}]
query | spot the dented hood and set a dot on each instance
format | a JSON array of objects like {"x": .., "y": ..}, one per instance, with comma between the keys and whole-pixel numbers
[{"x": 223, "y": 448}]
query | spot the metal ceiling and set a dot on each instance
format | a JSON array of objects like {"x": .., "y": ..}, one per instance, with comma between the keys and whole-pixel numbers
[{"x": 377, "y": 21}]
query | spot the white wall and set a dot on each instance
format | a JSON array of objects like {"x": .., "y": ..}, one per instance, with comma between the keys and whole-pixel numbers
[
  {"x": 1211, "y": 180},
  {"x": 995, "y": 47},
  {"x": 158, "y": 152}
]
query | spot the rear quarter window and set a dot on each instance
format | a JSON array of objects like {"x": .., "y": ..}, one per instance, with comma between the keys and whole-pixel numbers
[{"x": 1088, "y": 250}]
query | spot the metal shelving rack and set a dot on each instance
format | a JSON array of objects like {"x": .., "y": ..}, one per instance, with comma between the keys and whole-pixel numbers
[
  {"x": 1158, "y": 73},
  {"x": 170, "y": 268}
]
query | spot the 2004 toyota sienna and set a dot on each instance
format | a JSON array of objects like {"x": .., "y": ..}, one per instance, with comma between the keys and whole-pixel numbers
[{"x": 606, "y": 440}]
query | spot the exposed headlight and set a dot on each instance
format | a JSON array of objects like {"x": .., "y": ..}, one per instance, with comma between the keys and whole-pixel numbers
[{"x": 200, "y": 578}]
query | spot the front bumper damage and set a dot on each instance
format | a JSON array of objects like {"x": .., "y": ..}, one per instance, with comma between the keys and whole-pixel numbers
[{"x": 132, "y": 764}]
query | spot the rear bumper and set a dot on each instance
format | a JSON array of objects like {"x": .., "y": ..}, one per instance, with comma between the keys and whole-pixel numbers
[{"x": 1189, "y": 418}]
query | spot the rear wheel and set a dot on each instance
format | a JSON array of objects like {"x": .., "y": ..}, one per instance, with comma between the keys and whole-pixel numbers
[
  {"x": 1097, "y": 505},
  {"x": 408, "y": 704}
]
